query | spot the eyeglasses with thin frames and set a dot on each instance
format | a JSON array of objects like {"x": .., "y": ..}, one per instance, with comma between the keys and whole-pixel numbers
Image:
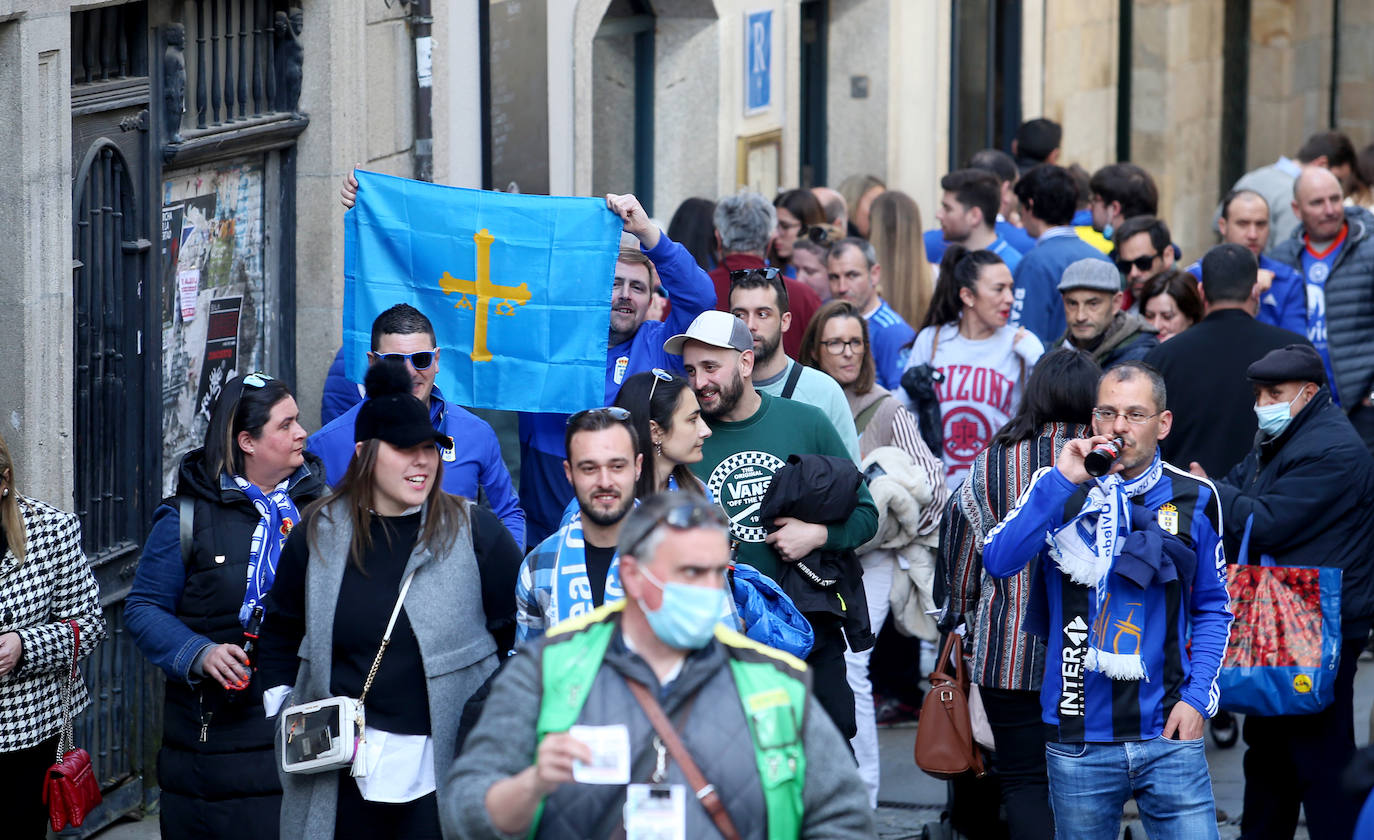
[{"x": 1135, "y": 418}]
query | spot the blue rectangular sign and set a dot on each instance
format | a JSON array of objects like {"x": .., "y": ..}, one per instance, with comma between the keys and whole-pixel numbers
[{"x": 758, "y": 61}]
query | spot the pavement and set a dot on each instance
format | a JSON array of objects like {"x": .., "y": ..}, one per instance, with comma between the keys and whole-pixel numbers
[{"x": 909, "y": 799}]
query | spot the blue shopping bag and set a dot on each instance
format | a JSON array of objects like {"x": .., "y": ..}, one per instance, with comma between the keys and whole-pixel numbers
[{"x": 1285, "y": 643}]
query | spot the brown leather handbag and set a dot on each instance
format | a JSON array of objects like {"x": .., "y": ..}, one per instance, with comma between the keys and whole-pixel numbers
[
  {"x": 944, "y": 737},
  {"x": 70, "y": 790}
]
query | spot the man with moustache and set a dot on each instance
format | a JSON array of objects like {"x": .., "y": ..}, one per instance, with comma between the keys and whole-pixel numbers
[
  {"x": 576, "y": 568},
  {"x": 1130, "y": 571},
  {"x": 759, "y": 299},
  {"x": 752, "y": 436}
]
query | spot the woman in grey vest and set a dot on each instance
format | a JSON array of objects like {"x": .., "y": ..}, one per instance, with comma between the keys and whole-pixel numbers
[{"x": 338, "y": 582}]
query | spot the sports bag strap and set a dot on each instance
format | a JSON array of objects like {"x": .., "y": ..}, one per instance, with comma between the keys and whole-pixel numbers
[
  {"x": 793, "y": 377},
  {"x": 705, "y": 791},
  {"x": 186, "y": 519},
  {"x": 386, "y": 637}
]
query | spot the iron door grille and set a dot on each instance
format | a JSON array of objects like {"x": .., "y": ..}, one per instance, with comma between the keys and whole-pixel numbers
[{"x": 107, "y": 280}]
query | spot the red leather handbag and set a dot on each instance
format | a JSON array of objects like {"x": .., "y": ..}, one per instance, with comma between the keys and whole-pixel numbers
[{"x": 70, "y": 791}]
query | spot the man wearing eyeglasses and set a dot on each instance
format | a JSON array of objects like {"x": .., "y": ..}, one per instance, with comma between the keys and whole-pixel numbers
[
  {"x": 472, "y": 462},
  {"x": 1091, "y": 289},
  {"x": 1131, "y": 599},
  {"x": 1143, "y": 252},
  {"x": 569, "y": 743}
]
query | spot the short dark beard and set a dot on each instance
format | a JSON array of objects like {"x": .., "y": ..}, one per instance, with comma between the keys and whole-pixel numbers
[
  {"x": 765, "y": 352},
  {"x": 605, "y": 520},
  {"x": 617, "y": 338},
  {"x": 727, "y": 399}
]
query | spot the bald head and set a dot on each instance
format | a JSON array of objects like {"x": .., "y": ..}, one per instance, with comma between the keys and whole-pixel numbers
[
  {"x": 1317, "y": 202},
  {"x": 836, "y": 211}
]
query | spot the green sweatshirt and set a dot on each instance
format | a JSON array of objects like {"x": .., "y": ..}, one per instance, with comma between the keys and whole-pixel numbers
[{"x": 738, "y": 463}]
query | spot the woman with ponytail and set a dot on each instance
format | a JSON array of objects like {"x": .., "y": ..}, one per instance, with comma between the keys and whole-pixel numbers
[
  {"x": 983, "y": 359},
  {"x": 388, "y": 528}
]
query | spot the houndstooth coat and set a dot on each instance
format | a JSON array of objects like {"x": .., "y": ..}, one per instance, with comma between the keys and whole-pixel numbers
[{"x": 37, "y": 597}]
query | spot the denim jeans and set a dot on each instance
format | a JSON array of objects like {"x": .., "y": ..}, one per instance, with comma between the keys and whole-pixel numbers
[{"x": 1089, "y": 784}]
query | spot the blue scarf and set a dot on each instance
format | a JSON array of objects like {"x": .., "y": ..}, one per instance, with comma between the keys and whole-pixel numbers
[
  {"x": 571, "y": 592},
  {"x": 1085, "y": 550},
  {"x": 278, "y": 515}
]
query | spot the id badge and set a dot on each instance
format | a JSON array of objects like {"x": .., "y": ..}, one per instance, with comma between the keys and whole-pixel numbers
[{"x": 656, "y": 812}]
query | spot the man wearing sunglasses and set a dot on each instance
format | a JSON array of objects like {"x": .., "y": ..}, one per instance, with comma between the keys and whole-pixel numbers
[
  {"x": 473, "y": 462},
  {"x": 745, "y": 749},
  {"x": 1143, "y": 252}
]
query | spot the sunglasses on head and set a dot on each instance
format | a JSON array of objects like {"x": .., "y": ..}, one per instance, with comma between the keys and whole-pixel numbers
[
  {"x": 420, "y": 360},
  {"x": 256, "y": 379},
  {"x": 660, "y": 375},
  {"x": 820, "y": 234},
  {"x": 765, "y": 273},
  {"x": 612, "y": 411},
  {"x": 682, "y": 517},
  {"x": 1141, "y": 263}
]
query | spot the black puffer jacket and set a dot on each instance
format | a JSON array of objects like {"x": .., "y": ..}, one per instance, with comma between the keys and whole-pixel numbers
[
  {"x": 822, "y": 489},
  {"x": 1349, "y": 308},
  {"x": 226, "y": 785},
  {"x": 1311, "y": 493}
]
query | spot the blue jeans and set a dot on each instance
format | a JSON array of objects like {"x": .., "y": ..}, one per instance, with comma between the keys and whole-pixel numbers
[{"x": 1089, "y": 784}]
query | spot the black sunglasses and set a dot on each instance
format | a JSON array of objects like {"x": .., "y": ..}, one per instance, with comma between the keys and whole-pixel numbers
[
  {"x": 420, "y": 360},
  {"x": 1141, "y": 263},
  {"x": 682, "y": 517},
  {"x": 765, "y": 273},
  {"x": 614, "y": 412}
]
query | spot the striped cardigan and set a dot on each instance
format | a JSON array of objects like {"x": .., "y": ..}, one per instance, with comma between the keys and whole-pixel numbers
[{"x": 1002, "y": 655}]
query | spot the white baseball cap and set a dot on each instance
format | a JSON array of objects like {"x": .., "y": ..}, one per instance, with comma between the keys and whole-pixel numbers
[{"x": 716, "y": 328}]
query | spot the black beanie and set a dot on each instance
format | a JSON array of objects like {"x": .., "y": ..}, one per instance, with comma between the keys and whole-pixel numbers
[{"x": 391, "y": 412}]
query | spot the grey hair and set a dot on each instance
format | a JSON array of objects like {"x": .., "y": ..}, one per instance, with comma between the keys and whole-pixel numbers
[
  {"x": 745, "y": 222},
  {"x": 861, "y": 245},
  {"x": 1127, "y": 371}
]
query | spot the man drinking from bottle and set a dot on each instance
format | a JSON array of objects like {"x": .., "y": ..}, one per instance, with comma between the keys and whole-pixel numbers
[{"x": 1130, "y": 568}]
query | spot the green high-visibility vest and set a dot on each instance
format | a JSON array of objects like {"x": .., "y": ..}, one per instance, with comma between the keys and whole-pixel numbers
[{"x": 774, "y": 702}]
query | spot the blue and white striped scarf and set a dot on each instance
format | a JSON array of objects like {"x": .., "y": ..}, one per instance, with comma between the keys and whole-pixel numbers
[
  {"x": 570, "y": 594},
  {"x": 278, "y": 515},
  {"x": 1085, "y": 549}
]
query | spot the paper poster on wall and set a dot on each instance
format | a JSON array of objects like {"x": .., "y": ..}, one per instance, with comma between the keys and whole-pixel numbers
[
  {"x": 213, "y": 296},
  {"x": 758, "y": 61}
]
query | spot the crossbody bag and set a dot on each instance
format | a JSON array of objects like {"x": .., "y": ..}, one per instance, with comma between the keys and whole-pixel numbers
[{"x": 327, "y": 734}]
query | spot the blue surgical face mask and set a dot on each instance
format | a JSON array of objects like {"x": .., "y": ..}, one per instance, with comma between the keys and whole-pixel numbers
[
  {"x": 1274, "y": 418},
  {"x": 687, "y": 618}
]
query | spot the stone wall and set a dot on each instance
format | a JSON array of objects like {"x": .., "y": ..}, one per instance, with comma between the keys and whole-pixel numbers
[
  {"x": 36, "y": 250},
  {"x": 1355, "y": 75},
  {"x": 1176, "y": 111},
  {"x": 1079, "y": 72},
  {"x": 1290, "y": 75},
  {"x": 359, "y": 93}
]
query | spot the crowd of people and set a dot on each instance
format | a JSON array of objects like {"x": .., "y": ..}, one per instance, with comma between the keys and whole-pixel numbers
[{"x": 829, "y": 436}]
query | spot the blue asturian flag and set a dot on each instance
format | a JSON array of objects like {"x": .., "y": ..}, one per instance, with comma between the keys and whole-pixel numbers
[{"x": 518, "y": 288}]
